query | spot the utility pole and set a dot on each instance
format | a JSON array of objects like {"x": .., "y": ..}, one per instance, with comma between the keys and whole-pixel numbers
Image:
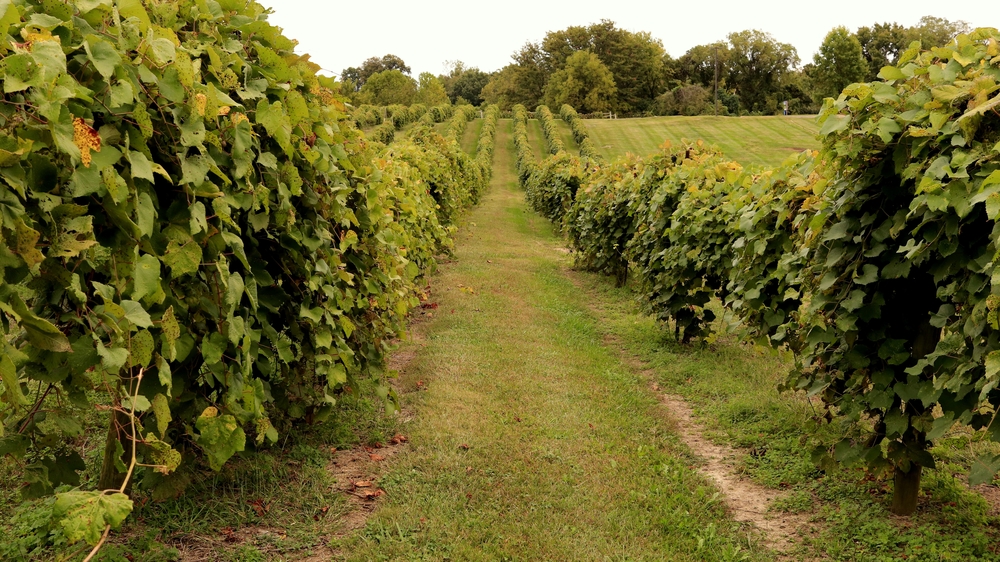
[{"x": 716, "y": 79}]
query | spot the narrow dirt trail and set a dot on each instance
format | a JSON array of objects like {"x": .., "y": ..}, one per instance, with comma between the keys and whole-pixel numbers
[{"x": 530, "y": 438}]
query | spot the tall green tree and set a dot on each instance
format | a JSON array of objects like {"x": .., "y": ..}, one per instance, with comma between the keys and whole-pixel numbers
[
  {"x": 881, "y": 45},
  {"x": 501, "y": 89},
  {"x": 758, "y": 65},
  {"x": 387, "y": 88},
  {"x": 469, "y": 86},
  {"x": 584, "y": 83},
  {"x": 839, "y": 62},
  {"x": 430, "y": 90},
  {"x": 698, "y": 64},
  {"x": 936, "y": 32},
  {"x": 359, "y": 75},
  {"x": 635, "y": 59}
]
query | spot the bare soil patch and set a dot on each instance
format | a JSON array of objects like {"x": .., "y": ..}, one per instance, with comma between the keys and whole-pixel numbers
[{"x": 747, "y": 501}]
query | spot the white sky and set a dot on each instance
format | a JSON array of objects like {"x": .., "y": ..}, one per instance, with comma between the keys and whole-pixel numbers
[{"x": 427, "y": 33}]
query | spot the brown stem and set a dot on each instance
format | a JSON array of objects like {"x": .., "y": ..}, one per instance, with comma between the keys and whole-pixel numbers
[{"x": 905, "y": 487}]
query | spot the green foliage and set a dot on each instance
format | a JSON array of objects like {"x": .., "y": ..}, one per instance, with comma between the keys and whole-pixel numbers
[
  {"x": 839, "y": 62},
  {"x": 487, "y": 143},
  {"x": 635, "y": 62},
  {"x": 553, "y": 185},
  {"x": 366, "y": 116},
  {"x": 430, "y": 90},
  {"x": 459, "y": 120},
  {"x": 757, "y": 66},
  {"x": 451, "y": 177},
  {"x": 384, "y": 133},
  {"x": 552, "y": 139},
  {"x": 874, "y": 261},
  {"x": 193, "y": 235},
  {"x": 602, "y": 221},
  {"x": 359, "y": 75},
  {"x": 468, "y": 85},
  {"x": 524, "y": 158},
  {"x": 83, "y": 515},
  {"x": 388, "y": 87},
  {"x": 580, "y": 133},
  {"x": 687, "y": 99},
  {"x": 583, "y": 82},
  {"x": 900, "y": 317}
]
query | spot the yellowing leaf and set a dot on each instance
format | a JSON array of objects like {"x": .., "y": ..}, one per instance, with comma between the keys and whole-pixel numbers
[
  {"x": 86, "y": 139},
  {"x": 83, "y": 515}
]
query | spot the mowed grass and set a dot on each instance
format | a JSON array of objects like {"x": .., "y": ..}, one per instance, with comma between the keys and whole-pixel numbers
[
  {"x": 470, "y": 138},
  {"x": 748, "y": 140},
  {"x": 566, "y": 134},
  {"x": 537, "y": 139},
  {"x": 533, "y": 441}
]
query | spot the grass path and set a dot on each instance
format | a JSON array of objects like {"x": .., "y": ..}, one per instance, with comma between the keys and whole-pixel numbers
[
  {"x": 470, "y": 138},
  {"x": 533, "y": 441},
  {"x": 537, "y": 139}
]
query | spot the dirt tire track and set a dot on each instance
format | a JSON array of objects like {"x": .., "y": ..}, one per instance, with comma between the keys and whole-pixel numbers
[{"x": 747, "y": 501}]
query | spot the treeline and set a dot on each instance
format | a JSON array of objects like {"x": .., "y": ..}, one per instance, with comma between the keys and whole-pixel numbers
[
  {"x": 201, "y": 274},
  {"x": 602, "y": 68},
  {"x": 387, "y": 81},
  {"x": 873, "y": 260}
]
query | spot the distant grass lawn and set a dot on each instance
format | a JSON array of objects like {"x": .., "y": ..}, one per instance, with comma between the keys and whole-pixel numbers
[{"x": 748, "y": 140}]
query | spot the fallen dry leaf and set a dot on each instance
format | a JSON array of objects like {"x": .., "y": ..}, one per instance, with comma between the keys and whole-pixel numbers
[
  {"x": 229, "y": 534},
  {"x": 363, "y": 484},
  {"x": 399, "y": 438},
  {"x": 322, "y": 513},
  {"x": 259, "y": 507},
  {"x": 464, "y": 446},
  {"x": 376, "y": 458}
]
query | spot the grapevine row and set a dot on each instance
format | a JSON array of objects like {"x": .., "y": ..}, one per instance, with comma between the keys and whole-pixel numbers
[
  {"x": 196, "y": 240},
  {"x": 872, "y": 260},
  {"x": 580, "y": 133},
  {"x": 552, "y": 140},
  {"x": 524, "y": 158}
]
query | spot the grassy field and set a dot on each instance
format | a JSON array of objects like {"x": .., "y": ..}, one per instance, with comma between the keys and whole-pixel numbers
[{"x": 749, "y": 140}]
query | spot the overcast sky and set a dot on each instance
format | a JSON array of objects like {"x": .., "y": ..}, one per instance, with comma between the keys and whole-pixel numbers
[{"x": 427, "y": 33}]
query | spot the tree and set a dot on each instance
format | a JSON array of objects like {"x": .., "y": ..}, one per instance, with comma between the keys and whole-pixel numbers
[
  {"x": 936, "y": 32},
  {"x": 373, "y": 65},
  {"x": 697, "y": 65},
  {"x": 636, "y": 60},
  {"x": 839, "y": 62},
  {"x": 585, "y": 83},
  {"x": 469, "y": 86},
  {"x": 501, "y": 89},
  {"x": 430, "y": 90},
  {"x": 388, "y": 87},
  {"x": 530, "y": 75},
  {"x": 881, "y": 45},
  {"x": 689, "y": 99},
  {"x": 757, "y": 66}
]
